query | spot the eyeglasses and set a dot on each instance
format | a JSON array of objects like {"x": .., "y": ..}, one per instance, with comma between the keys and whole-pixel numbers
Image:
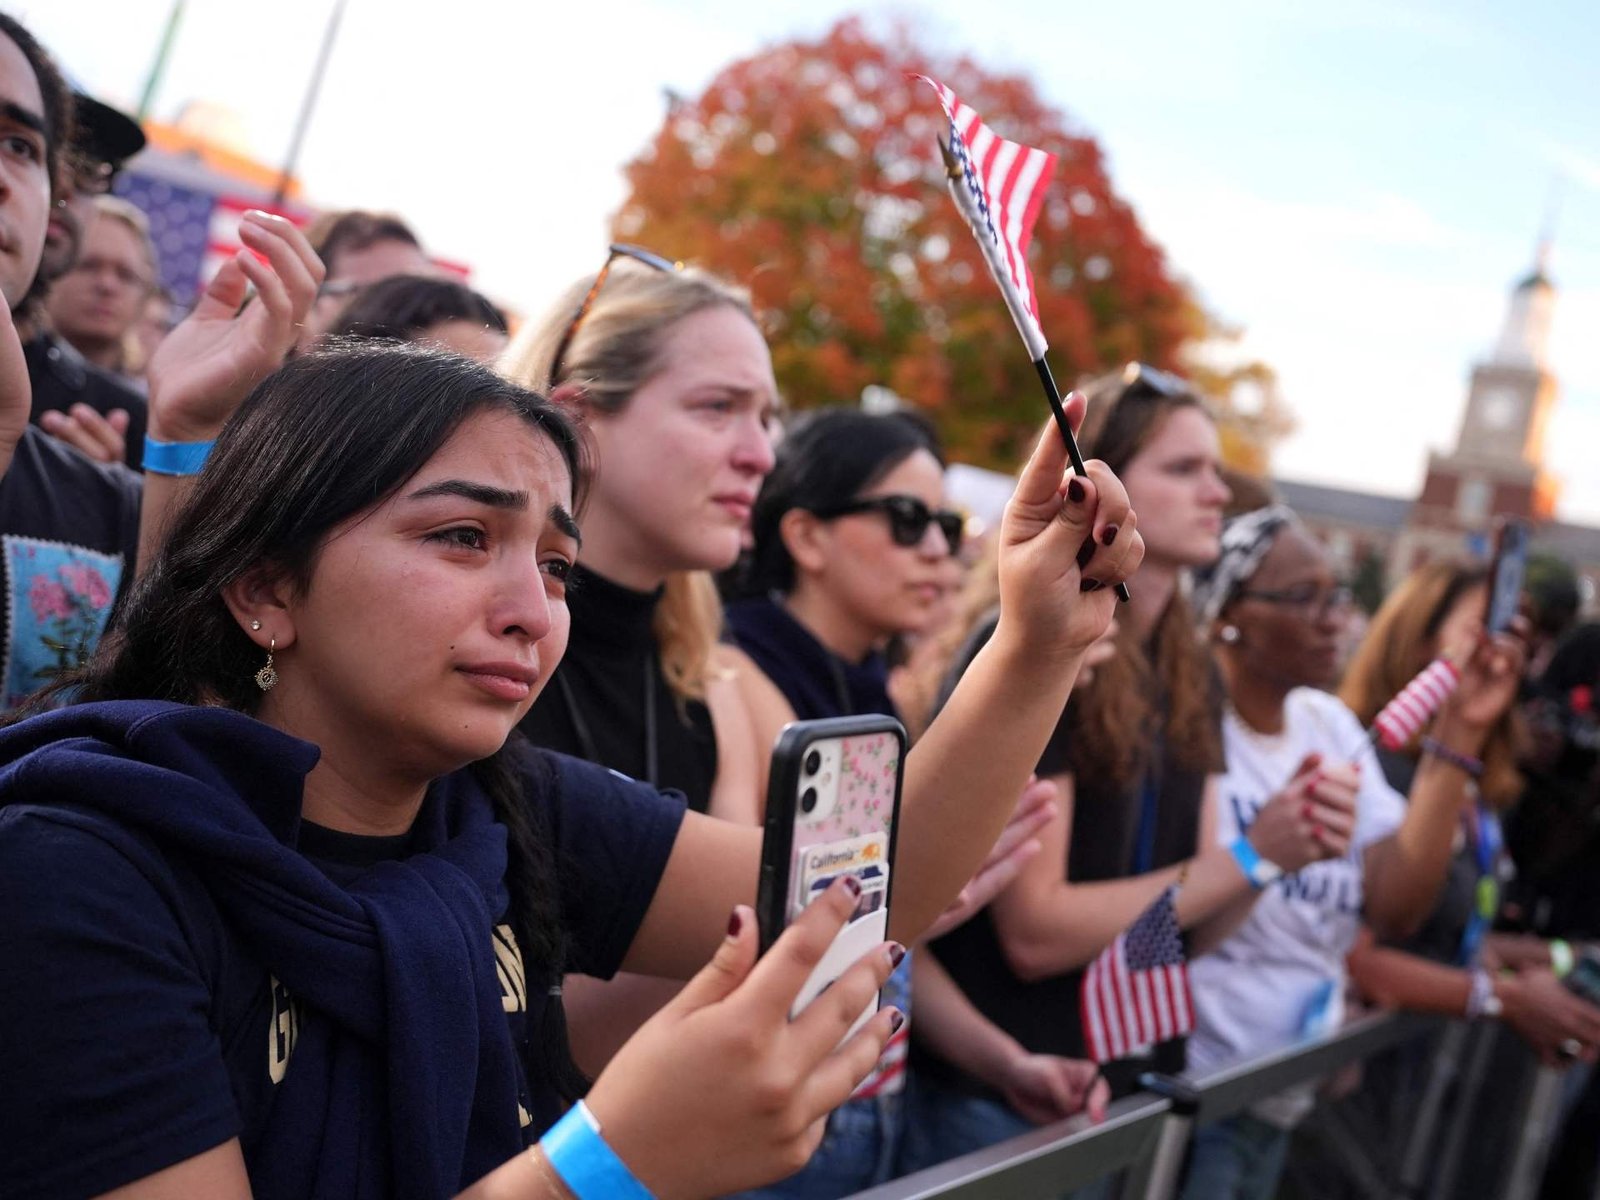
[
  {"x": 909, "y": 518},
  {"x": 617, "y": 250},
  {"x": 1309, "y": 599}
]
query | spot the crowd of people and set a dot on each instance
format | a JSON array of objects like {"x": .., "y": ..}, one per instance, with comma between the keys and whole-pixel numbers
[{"x": 390, "y": 693}]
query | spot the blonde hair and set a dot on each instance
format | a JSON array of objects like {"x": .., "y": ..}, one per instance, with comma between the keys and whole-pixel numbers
[
  {"x": 614, "y": 351},
  {"x": 115, "y": 208},
  {"x": 1400, "y": 641}
]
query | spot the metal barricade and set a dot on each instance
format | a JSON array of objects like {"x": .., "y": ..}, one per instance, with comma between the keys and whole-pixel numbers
[
  {"x": 1146, "y": 1132},
  {"x": 1045, "y": 1162}
]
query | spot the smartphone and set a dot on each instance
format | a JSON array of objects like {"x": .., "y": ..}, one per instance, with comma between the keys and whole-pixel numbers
[
  {"x": 833, "y": 803},
  {"x": 1506, "y": 574}
]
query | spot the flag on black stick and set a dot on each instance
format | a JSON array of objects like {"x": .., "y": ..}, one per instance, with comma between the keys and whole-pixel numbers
[{"x": 999, "y": 186}]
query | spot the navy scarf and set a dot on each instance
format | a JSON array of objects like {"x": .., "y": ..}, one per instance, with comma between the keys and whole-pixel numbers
[
  {"x": 816, "y": 681},
  {"x": 404, "y": 1079}
]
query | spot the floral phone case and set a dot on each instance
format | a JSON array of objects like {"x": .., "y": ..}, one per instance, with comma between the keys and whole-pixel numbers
[{"x": 832, "y": 803}]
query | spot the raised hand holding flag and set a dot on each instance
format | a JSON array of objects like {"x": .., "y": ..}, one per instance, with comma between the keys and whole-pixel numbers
[{"x": 999, "y": 186}]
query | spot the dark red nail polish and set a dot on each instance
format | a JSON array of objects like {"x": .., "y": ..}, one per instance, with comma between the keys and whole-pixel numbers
[
  {"x": 735, "y": 923},
  {"x": 1108, "y": 535},
  {"x": 1085, "y": 553},
  {"x": 852, "y": 885},
  {"x": 1090, "y": 585},
  {"x": 1076, "y": 491},
  {"x": 897, "y": 954},
  {"x": 897, "y": 1020}
]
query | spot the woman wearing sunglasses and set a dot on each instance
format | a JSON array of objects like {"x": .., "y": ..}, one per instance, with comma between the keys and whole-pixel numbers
[
  {"x": 851, "y": 546},
  {"x": 1276, "y": 613},
  {"x": 1136, "y": 756}
]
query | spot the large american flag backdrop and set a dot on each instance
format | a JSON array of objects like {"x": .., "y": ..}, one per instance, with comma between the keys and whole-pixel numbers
[{"x": 195, "y": 230}]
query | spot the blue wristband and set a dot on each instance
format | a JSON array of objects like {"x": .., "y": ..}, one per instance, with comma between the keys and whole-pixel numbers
[
  {"x": 1256, "y": 869},
  {"x": 589, "y": 1167},
  {"x": 175, "y": 458}
]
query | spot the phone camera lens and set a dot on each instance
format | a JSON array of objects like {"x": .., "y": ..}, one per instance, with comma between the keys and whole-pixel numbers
[
  {"x": 808, "y": 800},
  {"x": 813, "y": 763}
]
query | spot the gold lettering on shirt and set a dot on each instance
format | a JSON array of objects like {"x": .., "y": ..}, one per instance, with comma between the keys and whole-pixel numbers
[
  {"x": 285, "y": 1029},
  {"x": 508, "y": 965}
]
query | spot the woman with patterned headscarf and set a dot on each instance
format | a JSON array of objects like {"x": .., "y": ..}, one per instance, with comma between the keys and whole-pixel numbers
[{"x": 1275, "y": 613}]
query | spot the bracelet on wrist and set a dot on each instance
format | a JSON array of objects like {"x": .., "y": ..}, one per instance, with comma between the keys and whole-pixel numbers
[
  {"x": 586, "y": 1163},
  {"x": 1561, "y": 957},
  {"x": 1465, "y": 762},
  {"x": 175, "y": 458},
  {"x": 1482, "y": 999},
  {"x": 1259, "y": 871}
]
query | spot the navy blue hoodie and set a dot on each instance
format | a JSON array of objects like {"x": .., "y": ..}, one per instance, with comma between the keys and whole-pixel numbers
[{"x": 180, "y": 972}]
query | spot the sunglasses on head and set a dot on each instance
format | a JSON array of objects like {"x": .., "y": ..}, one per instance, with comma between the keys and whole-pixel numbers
[
  {"x": 909, "y": 518},
  {"x": 1140, "y": 379},
  {"x": 617, "y": 250}
]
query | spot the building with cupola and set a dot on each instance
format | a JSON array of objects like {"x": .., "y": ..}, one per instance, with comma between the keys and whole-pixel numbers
[{"x": 1495, "y": 468}]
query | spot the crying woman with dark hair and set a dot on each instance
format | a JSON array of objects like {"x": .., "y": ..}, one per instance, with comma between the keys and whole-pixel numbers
[{"x": 285, "y": 908}]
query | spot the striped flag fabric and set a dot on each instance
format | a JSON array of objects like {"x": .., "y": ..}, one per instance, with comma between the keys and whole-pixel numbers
[
  {"x": 1136, "y": 994},
  {"x": 1002, "y": 189},
  {"x": 1404, "y": 716}
]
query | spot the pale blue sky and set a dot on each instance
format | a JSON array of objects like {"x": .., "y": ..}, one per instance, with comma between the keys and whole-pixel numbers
[{"x": 1356, "y": 185}]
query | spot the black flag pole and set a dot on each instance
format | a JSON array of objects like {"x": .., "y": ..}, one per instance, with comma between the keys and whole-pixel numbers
[{"x": 991, "y": 251}]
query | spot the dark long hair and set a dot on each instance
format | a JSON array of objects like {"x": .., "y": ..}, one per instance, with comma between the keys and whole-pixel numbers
[
  {"x": 325, "y": 438},
  {"x": 828, "y": 456}
]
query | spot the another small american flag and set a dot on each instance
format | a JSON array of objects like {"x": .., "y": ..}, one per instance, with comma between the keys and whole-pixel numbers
[
  {"x": 1006, "y": 182},
  {"x": 1136, "y": 994}
]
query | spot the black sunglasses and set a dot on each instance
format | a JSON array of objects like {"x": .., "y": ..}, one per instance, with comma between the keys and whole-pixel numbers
[
  {"x": 909, "y": 518},
  {"x": 617, "y": 250}
]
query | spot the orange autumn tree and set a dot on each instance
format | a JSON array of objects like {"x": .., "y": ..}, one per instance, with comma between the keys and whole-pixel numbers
[{"x": 811, "y": 172}]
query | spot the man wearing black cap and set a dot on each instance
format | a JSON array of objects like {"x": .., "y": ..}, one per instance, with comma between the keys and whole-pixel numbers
[{"x": 62, "y": 379}]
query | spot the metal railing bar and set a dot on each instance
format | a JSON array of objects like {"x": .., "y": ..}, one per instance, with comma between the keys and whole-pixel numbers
[
  {"x": 1044, "y": 1162},
  {"x": 1234, "y": 1087}
]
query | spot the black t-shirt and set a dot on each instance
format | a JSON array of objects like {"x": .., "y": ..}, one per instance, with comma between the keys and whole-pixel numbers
[
  {"x": 595, "y": 706},
  {"x": 147, "y": 1033},
  {"x": 1045, "y": 1016},
  {"x": 61, "y": 377},
  {"x": 69, "y": 530}
]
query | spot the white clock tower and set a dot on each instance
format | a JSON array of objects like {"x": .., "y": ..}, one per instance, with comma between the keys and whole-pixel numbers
[{"x": 1497, "y": 466}]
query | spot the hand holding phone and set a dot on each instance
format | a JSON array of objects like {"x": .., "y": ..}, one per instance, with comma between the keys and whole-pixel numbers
[
  {"x": 833, "y": 801},
  {"x": 1506, "y": 574}
]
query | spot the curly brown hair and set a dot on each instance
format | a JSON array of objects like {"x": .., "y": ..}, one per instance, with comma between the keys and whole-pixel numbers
[{"x": 1401, "y": 640}]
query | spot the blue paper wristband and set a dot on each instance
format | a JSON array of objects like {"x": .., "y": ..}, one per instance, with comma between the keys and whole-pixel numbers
[
  {"x": 175, "y": 458},
  {"x": 589, "y": 1167},
  {"x": 1256, "y": 869}
]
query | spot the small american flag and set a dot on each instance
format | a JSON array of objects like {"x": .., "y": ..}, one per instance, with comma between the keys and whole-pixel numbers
[
  {"x": 1005, "y": 184},
  {"x": 1136, "y": 994}
]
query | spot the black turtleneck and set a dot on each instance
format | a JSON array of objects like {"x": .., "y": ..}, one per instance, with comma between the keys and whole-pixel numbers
[{"x": 594, "y": 706}]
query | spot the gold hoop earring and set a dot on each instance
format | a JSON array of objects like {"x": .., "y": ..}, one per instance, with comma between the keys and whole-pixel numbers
[{"x": 268, "y": 676}]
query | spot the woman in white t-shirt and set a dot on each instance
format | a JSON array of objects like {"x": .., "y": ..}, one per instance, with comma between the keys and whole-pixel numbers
[{"x": 1276, "y": 613}]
